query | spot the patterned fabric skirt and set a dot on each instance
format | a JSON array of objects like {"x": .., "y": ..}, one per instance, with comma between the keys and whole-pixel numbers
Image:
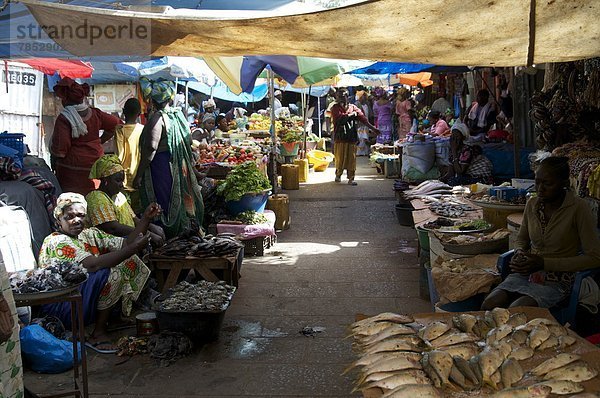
[
  {"x": 125, "y": 283},
  {"x": 386, "y": 134},
  {"x": 547, "y": 295}
]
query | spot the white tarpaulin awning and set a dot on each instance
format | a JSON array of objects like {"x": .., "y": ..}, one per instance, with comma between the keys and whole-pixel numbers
[{"x": 442, "y": 32}]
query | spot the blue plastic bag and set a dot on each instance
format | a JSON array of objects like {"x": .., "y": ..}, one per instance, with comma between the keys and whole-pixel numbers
[{"x": 44, "y": 353}]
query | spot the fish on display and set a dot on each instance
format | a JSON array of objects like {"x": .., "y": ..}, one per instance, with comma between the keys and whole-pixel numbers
[
  {"x": 498, "y": 333},
  {"x": 551, "y": 342},
  {"x": 554, "y": 363},
  {"x": 398, "y": 379},
  {"x": 521, "y": 353},
  {"x": 528, "y": 327},
  {"x": 465, "y": 369},
  {"x": 464, "y": 322},
  {"x": 489, "y": 361},
  {"x": 414, "y": 391},
  {"x": 517, "y": 319},
  {"x": 563, "y": 387},
  {"x": 453, "y": 338},
  {"x": 511, "y": 372},
  {"x": 500, "y": 316},
  {"x": 534, "y": 391},
  {"x": 385, "y": 316},
  {"x": 404, "y": 343},
  {"x": 520, "y": 336},
  {"x": 371, "y": 329},
  {"x": 465, "y": 350},
  {"x": 566, "y": 341},
  {"x": 438, "y": 365},
  {"x": 433, "y": 330},
  {"x": 538, "y": 335},
  {"x": 576, "y": 371},
  {"x": 367, "y": 360},
  {"x": 391, "y": 331},
  {"x": 503, "y": 347}
]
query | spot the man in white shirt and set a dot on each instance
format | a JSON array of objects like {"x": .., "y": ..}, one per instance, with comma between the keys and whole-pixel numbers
[
  {"x": 277, "y": 100},
  {"x": 441, "y": 104}
]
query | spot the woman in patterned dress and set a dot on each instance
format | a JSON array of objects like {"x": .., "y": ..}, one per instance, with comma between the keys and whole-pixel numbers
[{"x": 97, "y": 251}]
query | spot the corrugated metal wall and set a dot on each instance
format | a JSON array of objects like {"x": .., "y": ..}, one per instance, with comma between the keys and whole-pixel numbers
[{"x": 20, "y": 104}]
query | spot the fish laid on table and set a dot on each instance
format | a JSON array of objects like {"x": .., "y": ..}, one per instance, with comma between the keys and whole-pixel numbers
[
  {"x": 452, "y": 339},
  {"x": 558, "y": 330},
  {"x": 438, "y": 365},
  {"x": 465, "y": 350},
  {"x": 384, "y": 316},
  {"x": 367, "y": 360},
  {"x": 554, "y": 363},
  {"x": 566, "y": 341},
  {"x": 511, "y": 372},
  {"x": 403, "y": 343},
  {"x": 503, "y": 347},
  {"x": 517, "y": 319},
  {"x": 433, "y": 330},
  {"x": 528, "y": 327},
  {"x": 414, "y": 391},
  {"x": 538, "y": 335},
  {"x": 391, "y": 331},
  {"x": 534, "y": 391},
  {"x": 498, "y": 333},
  {"x": 464, "y": 322},
  {"x": 521, "y": 353},
  {"x": 464, "y": 367},
  {"x": 563, "y": 387},
  {"x": 500, "y": 316},
  {"x": 371, "y": 329},
  {"x": 576, "y": 371},
  {"x": 489, "y": 361},
  {"x": 519, "y": 336},
  {"x": 390, "y": 365},
  {"x": 483, "y": 326},
  {"x": 551, "y": 342},
  {"x": 398, "y": 379}
]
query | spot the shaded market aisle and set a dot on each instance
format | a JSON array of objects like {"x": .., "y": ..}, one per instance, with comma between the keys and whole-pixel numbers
[{"x": 344, "y": 254}]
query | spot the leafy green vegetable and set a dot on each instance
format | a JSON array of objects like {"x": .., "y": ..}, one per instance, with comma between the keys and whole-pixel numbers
[
  {"x": 251, "y": 217},
  {"x": 244, "y": 178},
  {"x": 291, "y": 136},
  {"x": 474, "y": 225}
]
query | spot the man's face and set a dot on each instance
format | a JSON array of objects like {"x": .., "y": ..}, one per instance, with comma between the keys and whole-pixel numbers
[{"x": 342, "y": 97}]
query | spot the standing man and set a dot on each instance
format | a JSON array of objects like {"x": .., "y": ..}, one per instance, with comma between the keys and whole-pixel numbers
[
  {"x": 277, "y": 100},
  {"x": 345, "y": 117}
]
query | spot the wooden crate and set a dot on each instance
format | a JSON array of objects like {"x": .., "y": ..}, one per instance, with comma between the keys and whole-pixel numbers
[{"x": 257, "y": 246}]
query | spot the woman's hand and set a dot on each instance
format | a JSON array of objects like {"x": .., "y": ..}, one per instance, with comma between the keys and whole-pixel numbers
[
  {"x": 526, "y": 263},
  {"x": 156, "y": 240},
  {"x": 140, "y": 242},
  {"x": 6, "y": 320},
  {"x": 152, "y": 211},
  {"x": 155, "y": 229}
]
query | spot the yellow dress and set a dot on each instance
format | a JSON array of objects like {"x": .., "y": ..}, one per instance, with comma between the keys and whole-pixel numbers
[
  {"x": 127, "y": 138},
  {"x": 102, "y": 209}
]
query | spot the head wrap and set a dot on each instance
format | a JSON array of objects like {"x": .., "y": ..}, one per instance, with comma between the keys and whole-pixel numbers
[
  {"x": 207, "y": 117},
  {"x": 67, "y": 199},
  {"x": 160, "y": 90},
  {"x": 210, "y": 103},
  {"x": 360, "y": 94},
  {"x": 276, "y": 93},
  {"x": 462, "y": 128},
  {"x": 106, "y": 166},
  {"x": 69, "y": 91},
  {"x": 379, "y": 92}
]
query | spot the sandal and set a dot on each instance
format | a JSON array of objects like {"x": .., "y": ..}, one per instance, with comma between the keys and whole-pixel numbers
[
  {"x": 352, "y": 182},
  {"x": 96, "y": 347}
]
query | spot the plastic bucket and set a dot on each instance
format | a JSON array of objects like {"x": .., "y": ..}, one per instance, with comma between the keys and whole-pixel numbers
[
  {"x": 423, "y": 236},
  {"x": 250, "y": 201},
  {"x": 320, "y": 159},
  {"x": 289, "y": 148},
  {"x": 404, "y": 214}
]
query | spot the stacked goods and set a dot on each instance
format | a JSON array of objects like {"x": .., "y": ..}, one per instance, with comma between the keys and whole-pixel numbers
[
  {"x": 227, "y": 154},
  {"x": 57, "y": 276},
  {"x": 202, "y": 296},
  {"x": 496, "y": 353},
  {"x": 198, "y": 247}
]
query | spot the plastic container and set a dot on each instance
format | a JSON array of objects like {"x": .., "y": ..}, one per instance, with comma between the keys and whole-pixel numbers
[
  {"x": 320, "y": 159},
  {"x": 289, "y": 148},
  {"x": 280, "y": 204},
  {"x": 15, "y": 142},
  {"x": 404, "y": 215},
  {"x": 250, "y": 201},
  {"x": 302, "y": 169},
  {"x": 146, "y": 324},
  {"x": 290, "y": 176},
  {"x": 423, "y": 236}
]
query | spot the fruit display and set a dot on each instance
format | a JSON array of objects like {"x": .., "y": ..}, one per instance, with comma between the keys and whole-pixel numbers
[
  {"x": 219, "y": 153},
  {"x": 283, "y": 127}
]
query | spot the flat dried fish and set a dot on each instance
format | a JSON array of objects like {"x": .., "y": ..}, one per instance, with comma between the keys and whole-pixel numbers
[{"x": 202, "y": 296}]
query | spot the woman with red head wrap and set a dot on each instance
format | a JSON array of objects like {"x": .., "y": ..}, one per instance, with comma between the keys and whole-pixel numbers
[{"x": 76, "y": 141}]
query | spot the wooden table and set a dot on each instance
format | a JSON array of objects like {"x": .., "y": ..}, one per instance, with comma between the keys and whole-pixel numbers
[
  {"x": 204, "y": 266},
  {"x": 78, "y": 331}
]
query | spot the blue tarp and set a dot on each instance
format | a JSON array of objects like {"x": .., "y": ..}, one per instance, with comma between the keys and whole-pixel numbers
[
  {"x": 385, "y": 68},
  {"x": 221, "y": 91}
]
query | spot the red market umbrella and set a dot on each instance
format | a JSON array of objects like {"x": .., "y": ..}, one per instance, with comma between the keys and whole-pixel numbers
[{"x": 65, "y": 67}]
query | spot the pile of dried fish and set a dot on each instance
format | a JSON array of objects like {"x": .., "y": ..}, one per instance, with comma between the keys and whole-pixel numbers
[
  {"x": 478, "y": 354},
  {"x": 203, "y": 296},
  {"x": 196, "y": 246},
  {"x": 439, "y": 223},
  {"x": 473, "y": 238},
  {"x": 450, "y": 209},
  {"x": 57, "y": 276},
  {"x": 429, "y": 188}
]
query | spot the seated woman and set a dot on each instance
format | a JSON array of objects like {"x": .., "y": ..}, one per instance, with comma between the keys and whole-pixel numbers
[
  {"x": 439, "y": 127},
  {"x": 116, "y": 273},
  {"x": 558, "y": 237},
  {"x": 468, "y": 165},
  {"x": 205, "y": 134},
  {"x": 108, "y": 208}
]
